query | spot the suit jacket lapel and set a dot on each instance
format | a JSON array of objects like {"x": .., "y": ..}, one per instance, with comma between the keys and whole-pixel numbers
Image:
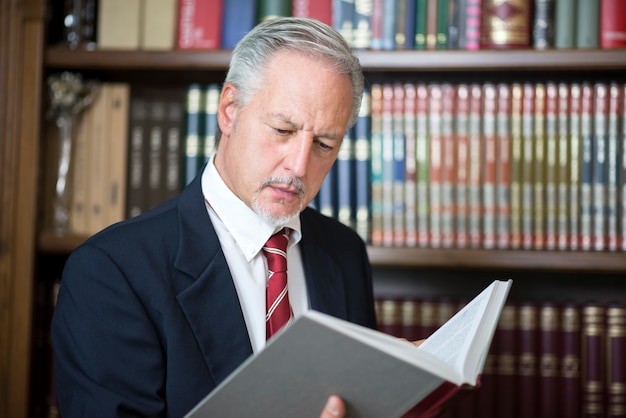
[{"x": 210, "y": 302}]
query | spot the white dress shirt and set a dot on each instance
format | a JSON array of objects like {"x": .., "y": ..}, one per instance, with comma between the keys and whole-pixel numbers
[{"x": 242, "y": 235}]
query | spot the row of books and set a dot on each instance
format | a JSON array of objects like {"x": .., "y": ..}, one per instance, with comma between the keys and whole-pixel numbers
[
  {"x": 546, "y": 360},
  {"x": 366, "y": 24}
]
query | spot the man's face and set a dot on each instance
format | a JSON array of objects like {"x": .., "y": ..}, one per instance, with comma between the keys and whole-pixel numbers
[{"x": 276, "y": 151}]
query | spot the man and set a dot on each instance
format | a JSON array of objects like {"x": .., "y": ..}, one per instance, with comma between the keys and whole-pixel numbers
[{"x": 154, "y": 312}]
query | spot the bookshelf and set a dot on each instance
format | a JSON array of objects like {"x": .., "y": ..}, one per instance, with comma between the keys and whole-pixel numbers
[{"x": 30, "y": 253}]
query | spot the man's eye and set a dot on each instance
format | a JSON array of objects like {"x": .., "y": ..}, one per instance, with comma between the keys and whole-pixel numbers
[
  {"x": 282, "y": 131},
  {"x": 324, "y": 146}
]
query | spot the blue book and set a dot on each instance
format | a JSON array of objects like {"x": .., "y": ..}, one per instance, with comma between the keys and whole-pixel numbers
[
  {"x": 389, "y": 25},
  {"x": 345, "y": 180},
  {"x": 239, "y": 17},
  {"x": 326, "y": 197},
  {"x": 194, "y": 132},
  {"x": 343, "y": 18}
]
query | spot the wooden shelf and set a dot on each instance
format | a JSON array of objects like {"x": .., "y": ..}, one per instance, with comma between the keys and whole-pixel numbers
[
  {"x": 579, "y": 261},
  {"x": 413, "y": 60},
  {"x": 440, "y": 258}
]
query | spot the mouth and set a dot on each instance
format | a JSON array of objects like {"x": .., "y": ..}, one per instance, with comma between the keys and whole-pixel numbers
[{"x": 285, "y": 187}]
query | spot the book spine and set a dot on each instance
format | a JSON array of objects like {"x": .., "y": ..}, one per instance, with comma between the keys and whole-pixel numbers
[
  {"x": 506, "y": 338},
  {"x": 211, "y": 97},
  {"x": 612, "y": 24},
  {"x": 362, "y": 130},
  {"x": 551, "y": 157},
  {"x": 586, "y": 167},
  {"x": 115, "y": 203},
  {"x": 528, "y": 360},
  {"x": 410, "y": 179},
  {"x": 528, "y": 124},
  {"x": 473, "y": 12},
  {"x": 563, "y": 138},
  {"x": 158, "y": 29},
  {"x": 321, "y": 10},
  {"x": 389, "y": 25},
  {"x": 613, "y": 167},
  {"x": 409, "y": 314},
  {"x": 503, "y": 166},
  {"x": 388, "y": 165},
  {"x": 270, "y": 9},
  {"x": 599, "y": 166},
  {"x": 441, "y": 41},
  {"x": 564, "y": 23},
  {"x": 156, "y": 149},
  {"x": 475, "y": 161},
  {"x": 376, "y": 170},
  {"x": 421, "y": 17},
  {"x": 345, "y": 180},
  {"x": 575, "y": 166},
  {"x": 549, "y": 360},
  {"x": 376, "y": 22},
  {"x": 362, "y": 26},
  {"x": 199, "y": 24},
  {"x": 118, "y": 24},
  {"x": 431, "y": 24},
  {"x": 343, "y": 18},
  {"x": 593, "y": 359},
  {"x": 399, "y": 166},
  {"x": 569, "y": 381},
  {"x": 422, "y": 157},
  {"x": 587, "y": 24},
  {"x": 328, "y": 194},
  {"x": 409, "y": 25},
  {"x": 436, "y": 156},
  {"x": 136, "y": 183},
  {"x": 448, "y": 164},
  {"x": 400, "y": 25},
  {"x": 454, "y": 16},
  {"x": 427, "y": 318},
  {"x": 489, "y": 166},
  {"x": 194, "y": 131},
  {"x": 239, "y": 17},
  {"x": 463, "y": 164},
  {"x": 543, "y": 24},
  {"x": 616, "y": 360},
  {"x": 622, "y": 168},
  {"x": 173, "y": 144},
  {"x": 505, "y": 24},
  {"x": 80, "y": 172},
  {"x": 539, "y": 160},
  {"x": 390, "y": 317},
  {"x": 516, "y": 165}
]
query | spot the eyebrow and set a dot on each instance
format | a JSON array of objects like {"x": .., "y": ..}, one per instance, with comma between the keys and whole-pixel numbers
[{"x": 285, "y": 119}]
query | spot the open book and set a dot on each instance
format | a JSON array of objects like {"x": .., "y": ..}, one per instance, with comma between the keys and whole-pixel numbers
[{"x": 376, "y": 375}]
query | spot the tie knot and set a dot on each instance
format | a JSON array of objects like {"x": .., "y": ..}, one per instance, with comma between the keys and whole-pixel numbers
[{"x": 275, "y": 251}]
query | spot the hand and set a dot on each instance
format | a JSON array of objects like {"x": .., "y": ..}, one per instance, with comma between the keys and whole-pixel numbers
[{"x": 334, "y": 408}]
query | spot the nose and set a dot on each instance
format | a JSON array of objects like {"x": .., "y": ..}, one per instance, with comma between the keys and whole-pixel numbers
[{"x": 297, "y": 159}]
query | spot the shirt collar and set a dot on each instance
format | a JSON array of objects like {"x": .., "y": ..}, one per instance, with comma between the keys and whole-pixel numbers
[{"x": 245, "y": 226}]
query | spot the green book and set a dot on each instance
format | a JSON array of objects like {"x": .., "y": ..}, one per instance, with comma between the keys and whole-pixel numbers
[
  {"x": 420, "y": 24},
  {"x": 588, "y": 24},
  {"x": 564, "y": 24},
  {"x": 269, "y": 9}
]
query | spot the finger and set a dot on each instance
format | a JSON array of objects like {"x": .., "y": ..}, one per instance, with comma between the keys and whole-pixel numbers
[{"x": 334, "y": 408}]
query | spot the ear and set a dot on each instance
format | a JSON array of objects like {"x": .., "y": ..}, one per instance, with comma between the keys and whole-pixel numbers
[{"x": 227, "y": 109}]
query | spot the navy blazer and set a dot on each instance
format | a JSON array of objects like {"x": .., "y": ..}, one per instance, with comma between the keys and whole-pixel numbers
[{"x": 148, "y": 320}]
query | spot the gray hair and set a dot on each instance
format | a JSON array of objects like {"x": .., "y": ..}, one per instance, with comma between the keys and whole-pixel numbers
[{"x": 308, "y": 36}]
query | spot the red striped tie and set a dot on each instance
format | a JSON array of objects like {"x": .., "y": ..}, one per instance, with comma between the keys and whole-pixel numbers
[{"x": 277, "y": 298}]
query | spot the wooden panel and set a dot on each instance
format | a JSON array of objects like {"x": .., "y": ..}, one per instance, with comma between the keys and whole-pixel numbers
[{"x": 20, "y": 77}]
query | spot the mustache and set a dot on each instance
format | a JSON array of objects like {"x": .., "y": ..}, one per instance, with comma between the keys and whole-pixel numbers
[{"x": 288, "y": 181}]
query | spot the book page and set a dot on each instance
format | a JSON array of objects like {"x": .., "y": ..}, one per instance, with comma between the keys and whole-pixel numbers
[{"x": 451, "y": 342}]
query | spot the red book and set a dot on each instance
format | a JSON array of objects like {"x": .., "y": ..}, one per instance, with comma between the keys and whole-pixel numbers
[
  {"x": 527, "y": 203},
  {"x": 376, "y": 172},
  {"x": 616, "y": 360},
  {"x": 314, "y": 9},
  {"x": 506, "y": 24},
  {"x": 549, "y": 360},
  {"x": 593, "y": 359},
  {"x": 613, "y": 24},
  {"x": 528, "y": 326},
  {"x": 389, "y": 316},
  {"x": 538, "y": 176},
  {"x": 472, "y": 15},
  {"x": 409, "y": 318},
  {"x": 507, "y": 358},
  {"x": 622, "y": 232},
  {"x": 503, "y": 166},
  {"x": 199, "y": 24},
  {"x": 489, "y": 166},
  {"x": 574, "y": 172},
  {"x": 462, "y": 158},
  {"x": 569, "y": 379},
  {"x": 475, "y": 162},
  {"x": 516, "y": 165},
  {"x": 448, "y": 165},
  {"x": 388, "y": 164}
]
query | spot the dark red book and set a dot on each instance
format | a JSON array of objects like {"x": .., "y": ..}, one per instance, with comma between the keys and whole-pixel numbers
[
  {"x": 505, "y": 24},
  {"x": 389, "y": 316},
  {"x": 549, "y": 360},
  {"x": 613, "y": 24},
  {"x": 616, "y": 360},
  {"x": 528, "y": 327},
  {"x": 409, "y": 318},
  {"x": 593, "y": 358},
  {"x": 507, "y": 359},
  {"x": 314, "y": 9},
  {"x": 199, "y": 24},
  {"x": 569, "y": 378}
]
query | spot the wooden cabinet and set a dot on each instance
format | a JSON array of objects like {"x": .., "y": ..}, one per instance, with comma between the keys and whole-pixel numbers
[{"x": 28, "y": 256}]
